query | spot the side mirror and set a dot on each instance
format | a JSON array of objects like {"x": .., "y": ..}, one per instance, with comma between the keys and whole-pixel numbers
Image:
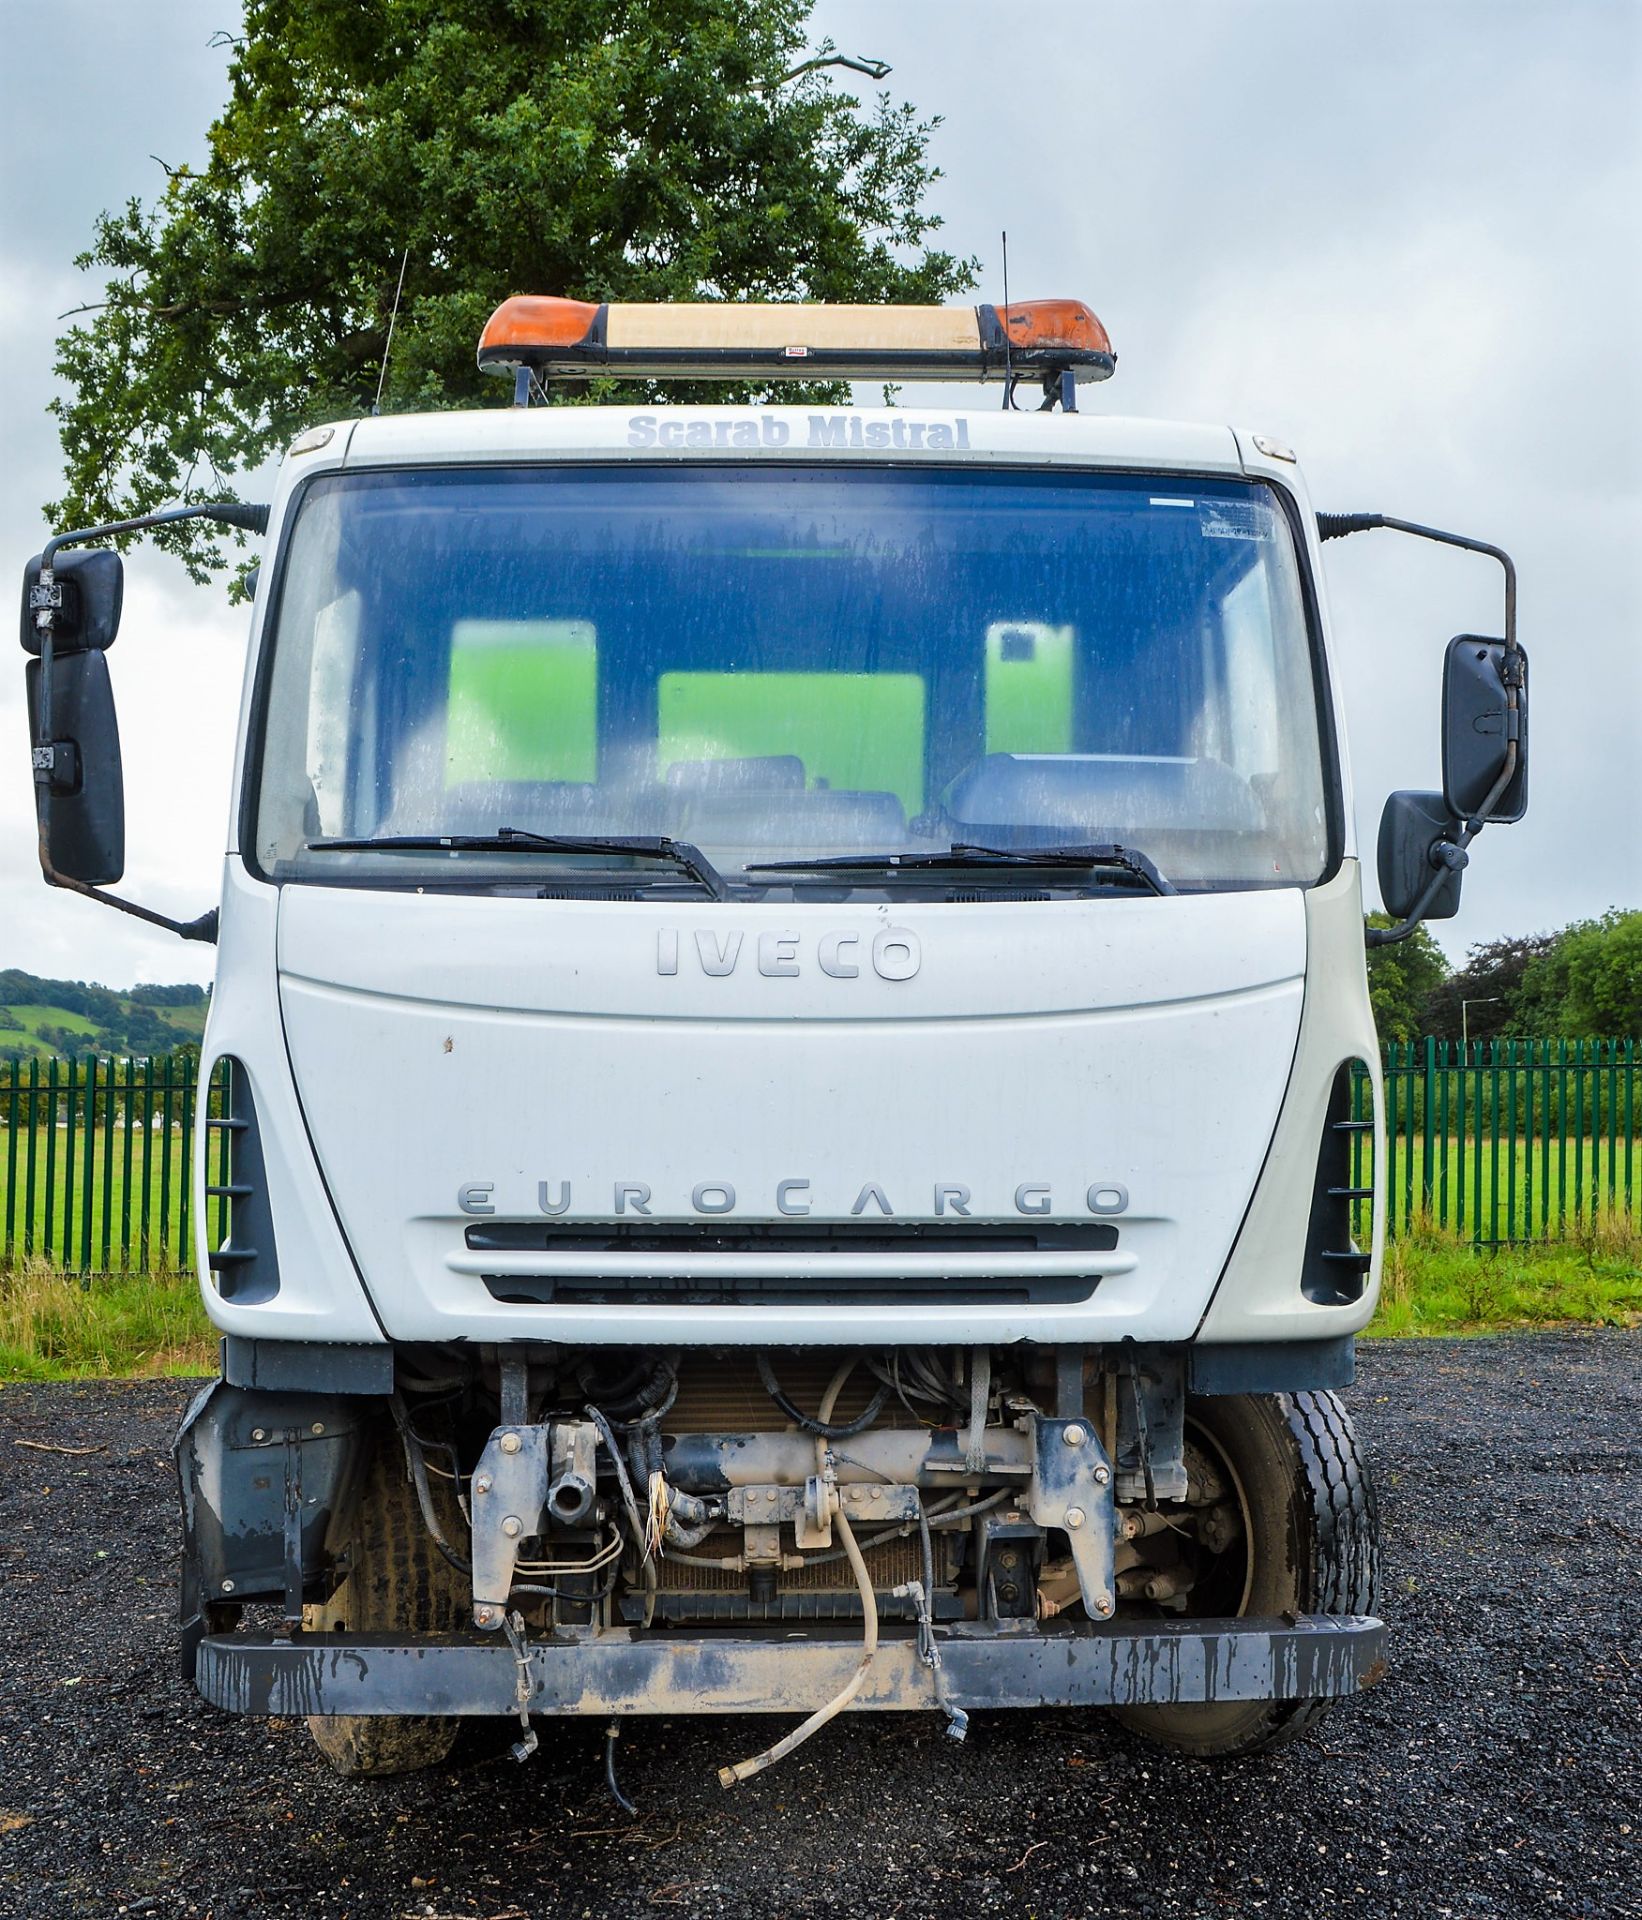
[
  {"x": 88, "y": 586},
  {"x": 79, "y": 787},
  {"x": 1475, "y": 719},
  {"x": 1412, "y": 825}
]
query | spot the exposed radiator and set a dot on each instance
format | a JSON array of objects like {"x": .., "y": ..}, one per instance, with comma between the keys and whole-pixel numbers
[{"x": 722, "y": 1393}]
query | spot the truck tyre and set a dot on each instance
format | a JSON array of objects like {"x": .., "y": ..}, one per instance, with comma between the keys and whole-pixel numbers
[
  {"x": 398, "y": 1581},
  {"x": 1311, "y": 1545}
]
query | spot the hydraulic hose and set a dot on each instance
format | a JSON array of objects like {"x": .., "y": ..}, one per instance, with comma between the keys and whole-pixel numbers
[
  {"x": 821, "y": 1424},
  {"x": 424, "y": 1495},
  {"x": 745, "y": 1769},
  {"x": 647, "y": 1559}
]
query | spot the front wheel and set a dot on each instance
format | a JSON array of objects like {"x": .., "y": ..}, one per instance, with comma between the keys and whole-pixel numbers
[
  {"x": 1308, "y": 1543},
  {"x": 397, "y": 1582}
]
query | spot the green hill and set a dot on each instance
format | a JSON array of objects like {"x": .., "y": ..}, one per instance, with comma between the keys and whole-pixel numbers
[{"x": 41, "y": 1017}]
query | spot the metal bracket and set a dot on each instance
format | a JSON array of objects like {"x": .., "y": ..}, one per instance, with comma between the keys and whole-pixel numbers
[
  {"x": 812, "y": 1523},
  {"x": 861, "y": 1500},
  {"x": 1151, "y": 1408},
  {"x": 1072, "y": 1489},
  {"x": 761, "y": 1546},
  {"x": 509, "y": 1491},
  {"x": 293, "y": 1527}
]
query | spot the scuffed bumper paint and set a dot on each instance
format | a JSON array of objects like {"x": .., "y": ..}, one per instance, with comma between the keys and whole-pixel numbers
[{"x": 621, "y": 1672}]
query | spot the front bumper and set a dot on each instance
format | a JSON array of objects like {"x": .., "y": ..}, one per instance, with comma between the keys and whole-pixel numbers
[{"x": 1156, "y": 1663}]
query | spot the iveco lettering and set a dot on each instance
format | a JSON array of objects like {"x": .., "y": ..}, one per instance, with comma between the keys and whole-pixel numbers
[{"x": 802, "y": 1127}]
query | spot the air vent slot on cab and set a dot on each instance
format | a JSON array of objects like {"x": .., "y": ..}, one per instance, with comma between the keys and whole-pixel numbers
[
  {"x": 1340, "y": 1235},
  {"x": 244, "y": 1266}
]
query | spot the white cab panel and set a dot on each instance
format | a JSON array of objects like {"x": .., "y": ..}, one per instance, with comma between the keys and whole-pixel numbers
[
  {"x": 442, "y": 1045},
  {"x": 319, "y": 1295}
]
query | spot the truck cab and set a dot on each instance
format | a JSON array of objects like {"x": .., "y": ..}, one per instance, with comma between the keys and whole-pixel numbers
[{"x": 800, "y": 1090}]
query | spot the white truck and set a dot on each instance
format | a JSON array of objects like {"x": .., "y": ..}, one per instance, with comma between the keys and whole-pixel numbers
[{"x": 790, "y": 986}]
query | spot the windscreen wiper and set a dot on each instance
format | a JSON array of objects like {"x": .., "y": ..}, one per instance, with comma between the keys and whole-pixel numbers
[
  {"x": 644, "y": 846},
  {"x": 963, "y": 853}
]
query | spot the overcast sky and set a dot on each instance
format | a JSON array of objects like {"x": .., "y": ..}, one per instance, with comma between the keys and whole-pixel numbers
[{"x": 1401, "y": 236}]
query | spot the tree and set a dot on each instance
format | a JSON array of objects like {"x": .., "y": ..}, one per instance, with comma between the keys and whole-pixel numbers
[
  {"x": 1401, "y": 980},
  {"x": 603, "y": 149},
  {"x": 1590, "y": 981},
  {"x": 1491, "y": 981}
]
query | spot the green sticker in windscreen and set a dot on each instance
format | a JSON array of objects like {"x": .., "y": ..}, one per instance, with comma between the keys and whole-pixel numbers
[
  {"x": 524, "y": 701},
  {"x": 857, "y": 732},
  {"x": 1028, "y": 687}
]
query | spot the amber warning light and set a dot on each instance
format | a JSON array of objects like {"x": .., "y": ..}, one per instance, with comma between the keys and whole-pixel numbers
[{"x": 1059, "y": 342}]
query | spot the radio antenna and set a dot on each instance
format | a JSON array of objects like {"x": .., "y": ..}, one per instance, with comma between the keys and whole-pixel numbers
[
  {"x": 1008, "y": 375},
  {"x": 382, "y": 377}
]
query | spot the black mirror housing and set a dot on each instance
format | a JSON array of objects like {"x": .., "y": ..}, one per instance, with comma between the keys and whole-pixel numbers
[
  {"x": 1412, "y": 824},
  {"x": 79, "y": 786},
  {"x": 1475, "y": 722},
  {"x": 90, "y": 585}
]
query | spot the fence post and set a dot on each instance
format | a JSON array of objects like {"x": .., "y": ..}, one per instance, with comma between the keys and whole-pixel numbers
[
  {"x": 50, "y": 1238},
  {"x": 30, "y": 1237},
  {"x": 1612, "y": 1047},
  {"x": 165, "y": 1161},
  {"x": 1630, "y": 1129},
  {"x": 148, "y": 1156},
  {"x": 88, "y": 1191},
  {"x": 185, "y": 1172},
  {"x": 125, "y": 1166},
  {"x": 12, "y": 1105},
  {"x": 1442, "y": 1135}
]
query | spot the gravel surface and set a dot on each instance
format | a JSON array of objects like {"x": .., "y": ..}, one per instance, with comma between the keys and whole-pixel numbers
[{"x": 1496, "y": 1772}]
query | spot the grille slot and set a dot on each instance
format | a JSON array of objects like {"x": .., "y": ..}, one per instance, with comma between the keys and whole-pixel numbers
[
  {"x": 1336, "y": 1268},
  {"x": 245, "y": 1267},
  {"x": 790, "y": 1236},
  {"x": 733, "y": 1290}
]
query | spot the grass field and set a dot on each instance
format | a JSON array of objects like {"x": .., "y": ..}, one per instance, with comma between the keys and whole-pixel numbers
[
  {"x": 58, "y": 1327},
  {"x": 1433, "y": 1284},
  {"x": 188, "y": 1023},
  {"x": 54, "y": 1326}
]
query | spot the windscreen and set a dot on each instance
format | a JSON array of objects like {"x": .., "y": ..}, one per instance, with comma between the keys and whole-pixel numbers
[{"x": 793, "y": 662}]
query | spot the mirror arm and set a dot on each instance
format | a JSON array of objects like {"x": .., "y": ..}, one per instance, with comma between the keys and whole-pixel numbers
[
  {"x": 232, "y": 513},
  {"x": 203, "y": 928},
  {"x": 1335, "y": 526},
  {"x": 1449, "y": 854},
  {"x": 46, "y": 596}
]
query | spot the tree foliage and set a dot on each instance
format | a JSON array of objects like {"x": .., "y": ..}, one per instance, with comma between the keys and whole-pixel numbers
[
  {"x": 1491, "y": 982},
  {"x": 1583, "y": 982},
  {"x": 1588, "y": 981},
  {"x": 1401, "y": 980},
  {"x": 602, "y": 149}
]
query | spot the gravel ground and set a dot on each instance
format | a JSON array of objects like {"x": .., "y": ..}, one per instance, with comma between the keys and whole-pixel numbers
[{"x": 1496, "y": 1772}]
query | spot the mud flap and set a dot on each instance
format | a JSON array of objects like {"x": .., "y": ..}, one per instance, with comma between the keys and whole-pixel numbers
[{"x": 261, "y": 1477}]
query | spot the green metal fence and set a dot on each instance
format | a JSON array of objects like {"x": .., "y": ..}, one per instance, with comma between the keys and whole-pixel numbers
[
  {"x": 96, "y": 1161},
  {"x": 1509, "y": 1141},
  {"x": 1503, "y": 1142}
]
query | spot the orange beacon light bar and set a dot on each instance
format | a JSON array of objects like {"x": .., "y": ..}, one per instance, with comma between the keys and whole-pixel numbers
[{"x": 1059, "y": 341}]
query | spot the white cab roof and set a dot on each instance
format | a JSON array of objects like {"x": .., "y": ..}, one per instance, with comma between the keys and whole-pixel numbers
[{"x": 983, "y": 432}]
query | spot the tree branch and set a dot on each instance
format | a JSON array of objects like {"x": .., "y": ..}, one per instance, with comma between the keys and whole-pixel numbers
[{"x": 873, "y": 69}]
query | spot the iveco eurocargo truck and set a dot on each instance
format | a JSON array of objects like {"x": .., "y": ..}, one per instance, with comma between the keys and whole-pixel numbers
[{"x": 795, "y": 1118}]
